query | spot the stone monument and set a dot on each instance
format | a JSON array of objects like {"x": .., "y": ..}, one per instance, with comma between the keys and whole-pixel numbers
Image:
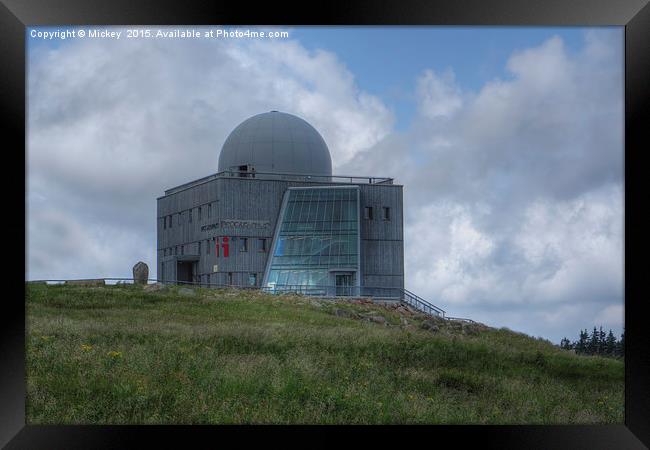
[{"x": 140, "y": 273}]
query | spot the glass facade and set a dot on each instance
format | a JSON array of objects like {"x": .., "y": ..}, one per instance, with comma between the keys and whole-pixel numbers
[{"x": 318, "y": 238}]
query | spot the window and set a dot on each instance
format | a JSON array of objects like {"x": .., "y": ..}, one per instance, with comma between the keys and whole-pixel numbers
[
  {"x": 189, "y": 211},
  {"x": 230, "y": 278},
  {"x": 199, "y": 248},
  {"x": 243, "y": 244},
  {"x": 367, "y": 212},
  {"x": 386, "y": 211},
  {"x": 199, "y": 213},
  {"x": 318, "y": 232},
  {"x": 252, "y": 279},
  {"x": 209, "y": 209},
  {"x": 176, "y": 250},
  {"x": 182, "y": 249},
  {"x": 261, "y": 245},
  {"x": 207, "y": 246}
]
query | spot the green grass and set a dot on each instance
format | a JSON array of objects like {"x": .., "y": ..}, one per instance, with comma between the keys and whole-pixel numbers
[{"x": 120, "y": 354}]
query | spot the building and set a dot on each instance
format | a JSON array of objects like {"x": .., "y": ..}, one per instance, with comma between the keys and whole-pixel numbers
[{"x": 274, "y": 216}]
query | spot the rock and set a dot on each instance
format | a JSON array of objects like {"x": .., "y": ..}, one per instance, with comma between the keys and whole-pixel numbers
[
  {"x": 187, "y": 292},
  {"x": 403, "y": 310},
  {"x": 430, "y": 326},
  {"x": 346, "y": 313},
  {"x": 154, "y": 287},
  {"x": 341, "y": 313},
  {"x": 377, "y": 319},
  {"x": 140, "y": 273}
]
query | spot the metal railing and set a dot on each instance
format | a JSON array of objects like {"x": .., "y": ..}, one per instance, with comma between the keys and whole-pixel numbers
[
  {"x": 421, "y": 304},
  {"x": 323, "y": 291},
  {"x": 310, "y": 178},
  {"x": 460, "y": 319}
]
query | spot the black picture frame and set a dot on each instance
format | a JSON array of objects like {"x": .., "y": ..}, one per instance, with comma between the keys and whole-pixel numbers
[{"x": 16, "y": 15}]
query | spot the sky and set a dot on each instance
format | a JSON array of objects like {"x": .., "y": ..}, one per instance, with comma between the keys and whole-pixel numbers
[{"x": 508, "y": 141}]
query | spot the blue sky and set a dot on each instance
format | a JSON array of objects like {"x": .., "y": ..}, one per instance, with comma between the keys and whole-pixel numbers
[
  {"x": 508, "y": 141},
  {"x": 387, "y": 62}
]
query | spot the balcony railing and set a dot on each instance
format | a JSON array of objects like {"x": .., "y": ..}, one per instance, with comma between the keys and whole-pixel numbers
[{"x": 309, "y": 178}]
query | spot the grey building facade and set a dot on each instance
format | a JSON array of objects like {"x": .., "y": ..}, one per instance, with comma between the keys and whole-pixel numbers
[{"x": 274, "y": 216}]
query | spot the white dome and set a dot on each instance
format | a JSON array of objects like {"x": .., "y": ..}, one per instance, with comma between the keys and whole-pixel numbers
[{"x": 276, "y": 142}]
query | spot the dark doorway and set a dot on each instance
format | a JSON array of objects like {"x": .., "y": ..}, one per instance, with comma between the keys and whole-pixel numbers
[
  {"x": 343, "y": 284},
  {"x": 184, "y": 271}
]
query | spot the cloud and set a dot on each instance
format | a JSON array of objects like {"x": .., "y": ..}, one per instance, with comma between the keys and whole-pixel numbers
[
  {"x": 514, "y": 193},
  {"x": 611, "y": 316},
  {"x": 111, "y": 124},
  {"x": 439, "y": 96}
]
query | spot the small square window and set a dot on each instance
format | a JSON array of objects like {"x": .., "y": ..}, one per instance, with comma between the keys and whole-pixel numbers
[
  {"x": 252, "y": 279},
  {"x": 386, "y": 211},
  {"x": 261, "y": 245},
  {"x": 367, "y": 212}
]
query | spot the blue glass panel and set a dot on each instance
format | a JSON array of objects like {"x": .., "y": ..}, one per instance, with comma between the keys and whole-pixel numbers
[{"x": 318, "y": 232}]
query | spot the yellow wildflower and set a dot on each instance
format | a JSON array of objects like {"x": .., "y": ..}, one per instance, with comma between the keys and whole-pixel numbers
[
  {"x": 86, "y": 347},
  {"x": 114, "y": 354}
]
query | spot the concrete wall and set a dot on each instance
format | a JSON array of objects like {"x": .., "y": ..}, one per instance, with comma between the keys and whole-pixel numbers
[{"x": 246, "y": 199}]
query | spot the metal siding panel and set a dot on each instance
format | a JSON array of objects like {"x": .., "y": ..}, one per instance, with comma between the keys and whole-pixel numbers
[{"x": 254, "y": 199}]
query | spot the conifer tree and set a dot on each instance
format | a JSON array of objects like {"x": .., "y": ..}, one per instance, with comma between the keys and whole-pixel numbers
[
  {"x": 592, "y": 345},
  {"x": 581, "y": 344},
  {"x": 621, "y": 345},
  {"x": 601, "y": 341},
  {"x": 610, "y": 344}
]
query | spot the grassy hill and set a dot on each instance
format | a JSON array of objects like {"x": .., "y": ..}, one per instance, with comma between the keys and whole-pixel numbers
[{"x": 125, "y": 354}]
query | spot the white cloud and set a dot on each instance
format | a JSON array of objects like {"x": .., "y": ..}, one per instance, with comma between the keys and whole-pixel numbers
[
  {"x": 438, "y": 95},
  {"x": 513, "y": 194},
  {"x": 111, "y": 124},
  {"x": 611, "y": 316}
]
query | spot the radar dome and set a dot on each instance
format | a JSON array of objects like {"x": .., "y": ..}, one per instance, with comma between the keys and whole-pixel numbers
[{"x": 276, "y": 142}]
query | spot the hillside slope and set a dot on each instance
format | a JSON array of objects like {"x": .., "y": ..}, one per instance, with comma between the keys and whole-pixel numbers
[{"x": 124, "y": 354}]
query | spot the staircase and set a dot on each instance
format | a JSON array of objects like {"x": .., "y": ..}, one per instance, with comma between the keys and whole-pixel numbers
[{"x": 420, "y": 304}]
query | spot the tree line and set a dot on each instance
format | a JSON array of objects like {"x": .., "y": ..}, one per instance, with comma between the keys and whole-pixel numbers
[{"x": 596, "y": 343}]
